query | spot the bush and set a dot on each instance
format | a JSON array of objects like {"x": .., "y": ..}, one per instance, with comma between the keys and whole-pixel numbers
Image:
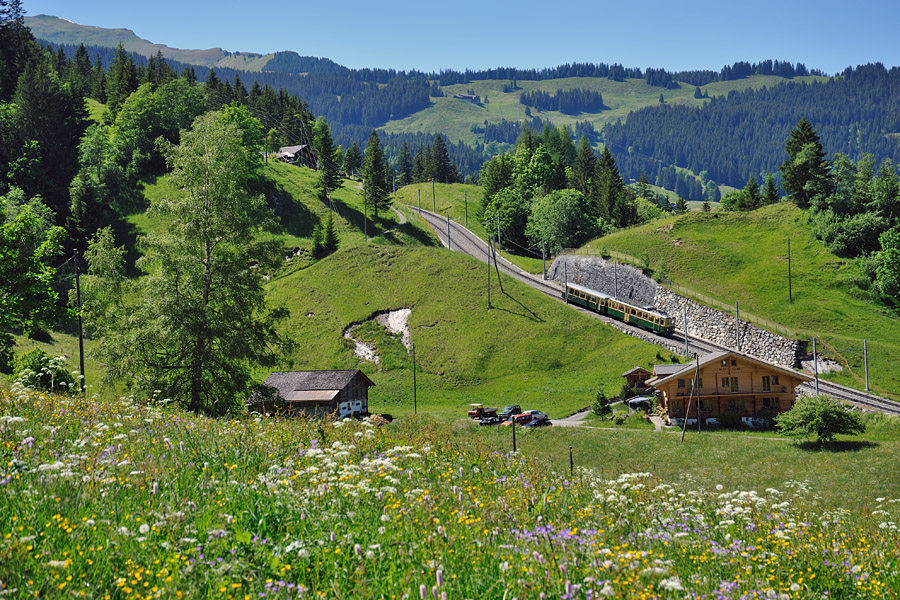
[
  {"x": 34, "y": 369},
  {"x": 820, "y": 416},
  {"x": 730, "y": 421}
]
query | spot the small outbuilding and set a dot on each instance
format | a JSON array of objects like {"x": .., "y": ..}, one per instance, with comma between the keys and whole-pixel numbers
[
  {"x": 314, "y": 393},
  {"x": 298, "y": 155},
  {"x": 637, "y": 378}
]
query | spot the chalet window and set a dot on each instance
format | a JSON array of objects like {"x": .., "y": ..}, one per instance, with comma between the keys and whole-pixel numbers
[
  {"x": 772, "y": 403},
  {"x": 681, "y": 384},
  {"x": 767, "y": 386},
  {"x": 735, "y": 404},
  {"x": 730, "y": 383},
  {"x": 724, "y": 363},
  {"x": 733, "y": 362},
  {"x": 774, "y": 379},
  {"x": 705, "y": 405}
]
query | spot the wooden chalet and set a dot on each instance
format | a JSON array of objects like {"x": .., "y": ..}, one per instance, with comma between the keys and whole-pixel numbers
[
  {"x": 727, "y": 383},
  {"x": 298, "y": 155},
  {"x": 315, "y": 393},
  {"x": 637, "y": 378}
]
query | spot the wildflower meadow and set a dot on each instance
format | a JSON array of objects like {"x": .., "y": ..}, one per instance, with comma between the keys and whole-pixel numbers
[{"x": 124, "y": 499}]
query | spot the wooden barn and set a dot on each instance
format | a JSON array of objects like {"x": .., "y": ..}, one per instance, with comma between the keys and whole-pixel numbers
[
  {"x": 314, "y": 393},
  {"x": 726, "y": 383},
  {"x": 637, "y": 378},
  {"x": 298, "y": 155}
]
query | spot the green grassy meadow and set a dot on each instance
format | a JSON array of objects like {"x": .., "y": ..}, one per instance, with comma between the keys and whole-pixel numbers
[
  {"x": 120, "y": 499},
  {"x": 454, "y": 118},
  {"x": 528, "y": 349},
  {"x": 742, "y": 256}
]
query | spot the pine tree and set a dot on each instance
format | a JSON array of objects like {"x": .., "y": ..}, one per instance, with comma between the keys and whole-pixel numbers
[
  {"x": 770, "y": 193},
  {"x": 752, "y": 196},
  {"x": 16, "y": 46},
  {"x": 584, "y": 170},
  {"x": 374, "y": 188},
  {"x": 353, "y": 159},
  {"x": 323, "y": 145},
  {"x": 98, "y": 82},
  {"x": 330, "y": 240},
  {"x": 420, "y": 166},
  {"x": 121, "y": 80},
  {"x": 405, "y": 165},
  {"x": 681, "y": 205},
  {"x": 698, "y": 93},
  {"x": 443, "y": 170},
  {"x": 805, "y": 173}
]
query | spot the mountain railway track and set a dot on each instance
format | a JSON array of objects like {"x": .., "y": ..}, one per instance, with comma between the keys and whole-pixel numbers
[{"x": 463, "y": 240}]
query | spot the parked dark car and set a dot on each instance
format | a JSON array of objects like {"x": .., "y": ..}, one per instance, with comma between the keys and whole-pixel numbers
[
  {"x": 509, "y": 411},
  {"x": 489, "y": 421},
  {"x": 538, "y": 423}
]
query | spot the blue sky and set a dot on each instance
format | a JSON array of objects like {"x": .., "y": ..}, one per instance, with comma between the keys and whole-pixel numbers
[{"x": 458, "y": 34}]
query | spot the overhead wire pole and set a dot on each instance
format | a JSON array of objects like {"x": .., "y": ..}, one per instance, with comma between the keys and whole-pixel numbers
[
  {"x": 816, "y": 365},
  {"x": 543, "y": 261},
  {"x": 686, "y": 351},
  {"x": 737, "y": 327},
  {"x": 415, "y": 400},
  {"x": 497, "y": 267},
  {"x": 790, "y": 294},
  {"x": 499, "y": 248},
  {"x": 448, "y": 233},
  {"x": 466, "y": 205},
  {"x": 488, "y": 249},
  {"x": 433, "y": 201},
  {"x": 420, "y": 200},
  {"x": 566, "y": 279},
  {"x": 866, "y": 361}
]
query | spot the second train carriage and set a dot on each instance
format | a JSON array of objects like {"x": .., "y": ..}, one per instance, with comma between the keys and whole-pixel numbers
[{"x": 642, "y": 316}]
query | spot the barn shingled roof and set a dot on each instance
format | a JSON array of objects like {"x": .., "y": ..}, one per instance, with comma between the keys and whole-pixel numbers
[{"x": 290, "y": 381}]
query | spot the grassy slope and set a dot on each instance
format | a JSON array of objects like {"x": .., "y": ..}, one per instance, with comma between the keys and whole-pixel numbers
[
  {"x": 454, "y": 118},
  {"x": 743, "y": 257},
  {"x": 528, "y": 350}
]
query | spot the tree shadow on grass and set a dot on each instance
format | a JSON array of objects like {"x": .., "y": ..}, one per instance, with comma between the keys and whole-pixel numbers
[
  {"x": 294, "y": 216},
  {"x": 836, "y": 446}
]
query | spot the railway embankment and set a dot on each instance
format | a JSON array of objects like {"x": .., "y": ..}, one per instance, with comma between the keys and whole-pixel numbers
[{"x": 630, "y": 284}]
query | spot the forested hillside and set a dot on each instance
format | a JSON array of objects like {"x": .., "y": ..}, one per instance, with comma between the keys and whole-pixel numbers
[{"x": 731, "y": 137}]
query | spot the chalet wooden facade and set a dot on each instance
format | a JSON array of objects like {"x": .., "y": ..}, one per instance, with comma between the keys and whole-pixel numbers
[
  {"x": 314, "y": 393},
  {"x": 637, "y": 378},
  {"x": 727, "y": 383},
  {"x": 298, "y": 155}
]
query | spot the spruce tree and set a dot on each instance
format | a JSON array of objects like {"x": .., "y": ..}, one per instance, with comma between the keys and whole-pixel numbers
[
  {"x": 405, "y": 165},
  {"x": 330, "y": 240},
  {"x": 329, "y": 178},
  {"x": 770, "y": 193},
  {"x": 443, "y": 170},
  {"x": 374, "y": 189},
  {"x": 353, "y": 159},
  {"x": 121, "y": 80},
  {"x": 752, "y": 196},
  {"x": 584, "y": 170},
  {"x": 805, "y": 173}
]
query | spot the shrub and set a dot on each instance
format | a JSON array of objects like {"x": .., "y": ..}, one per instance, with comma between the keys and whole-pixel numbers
[
  {"x": 820, "y": 416},
  {"x": 34, "y": 369},
  {"x": 730, "y": 421}
]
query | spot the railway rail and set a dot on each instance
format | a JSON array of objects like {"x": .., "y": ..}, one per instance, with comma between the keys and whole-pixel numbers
[{"x": 461, "y": 239}]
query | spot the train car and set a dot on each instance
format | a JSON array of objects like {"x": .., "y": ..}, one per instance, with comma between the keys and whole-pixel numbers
[{"x": 646, "y": 317}]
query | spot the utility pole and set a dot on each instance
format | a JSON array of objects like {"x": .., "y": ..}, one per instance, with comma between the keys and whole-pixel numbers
[
  {"x": 499, "y": 247},
  {"x": 267, "y": 156},
  {"x": 366, "y": 218},
  {"x": 566, "y": 279},
  {"x": 448, "y": 233},
  {"x": 737, "y": 327},
  {"x": 514, "y": 433},
  {"x": 80, "y": 329},
  {"x": 790, "y": 294},
  {"x": 497, "y": 268},
  {"x": 420, "y": 200},
  {"x": 543, "y": 260},
  {"x": 616, "y": 279},
  {"x": 489, "y": 274},
  {"x": 816, "y": 365},
  {"x": 433, "y": 209},
  {"x": 393, "y": 186},
  {"x": 865, "y": 361},
  {"x": 684, "y": 309},
  {"x": 415, "y": 400}
]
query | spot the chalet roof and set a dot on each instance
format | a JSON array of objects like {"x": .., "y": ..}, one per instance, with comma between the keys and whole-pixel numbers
[
  {"x": 666, "y": 373},
  {"x": 291, "y": 149},
  {"x": 289, "y": 382},
  {"x": 636, "y": 370}
]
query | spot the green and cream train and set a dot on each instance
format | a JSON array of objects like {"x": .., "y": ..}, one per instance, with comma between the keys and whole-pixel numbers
[{"x": 642, "y": 316}]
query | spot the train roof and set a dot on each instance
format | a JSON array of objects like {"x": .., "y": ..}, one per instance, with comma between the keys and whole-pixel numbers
[{"x": 588, "y": 290}]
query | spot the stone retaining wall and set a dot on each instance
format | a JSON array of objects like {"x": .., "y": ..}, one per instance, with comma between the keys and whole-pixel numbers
[{"x": 719, "y": 327}]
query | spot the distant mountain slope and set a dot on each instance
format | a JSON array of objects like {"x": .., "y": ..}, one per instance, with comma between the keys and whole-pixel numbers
[{"x": 61, "y": 31}]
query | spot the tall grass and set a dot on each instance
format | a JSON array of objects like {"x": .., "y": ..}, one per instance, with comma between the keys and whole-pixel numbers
[{"x": 121, "y": 500}]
